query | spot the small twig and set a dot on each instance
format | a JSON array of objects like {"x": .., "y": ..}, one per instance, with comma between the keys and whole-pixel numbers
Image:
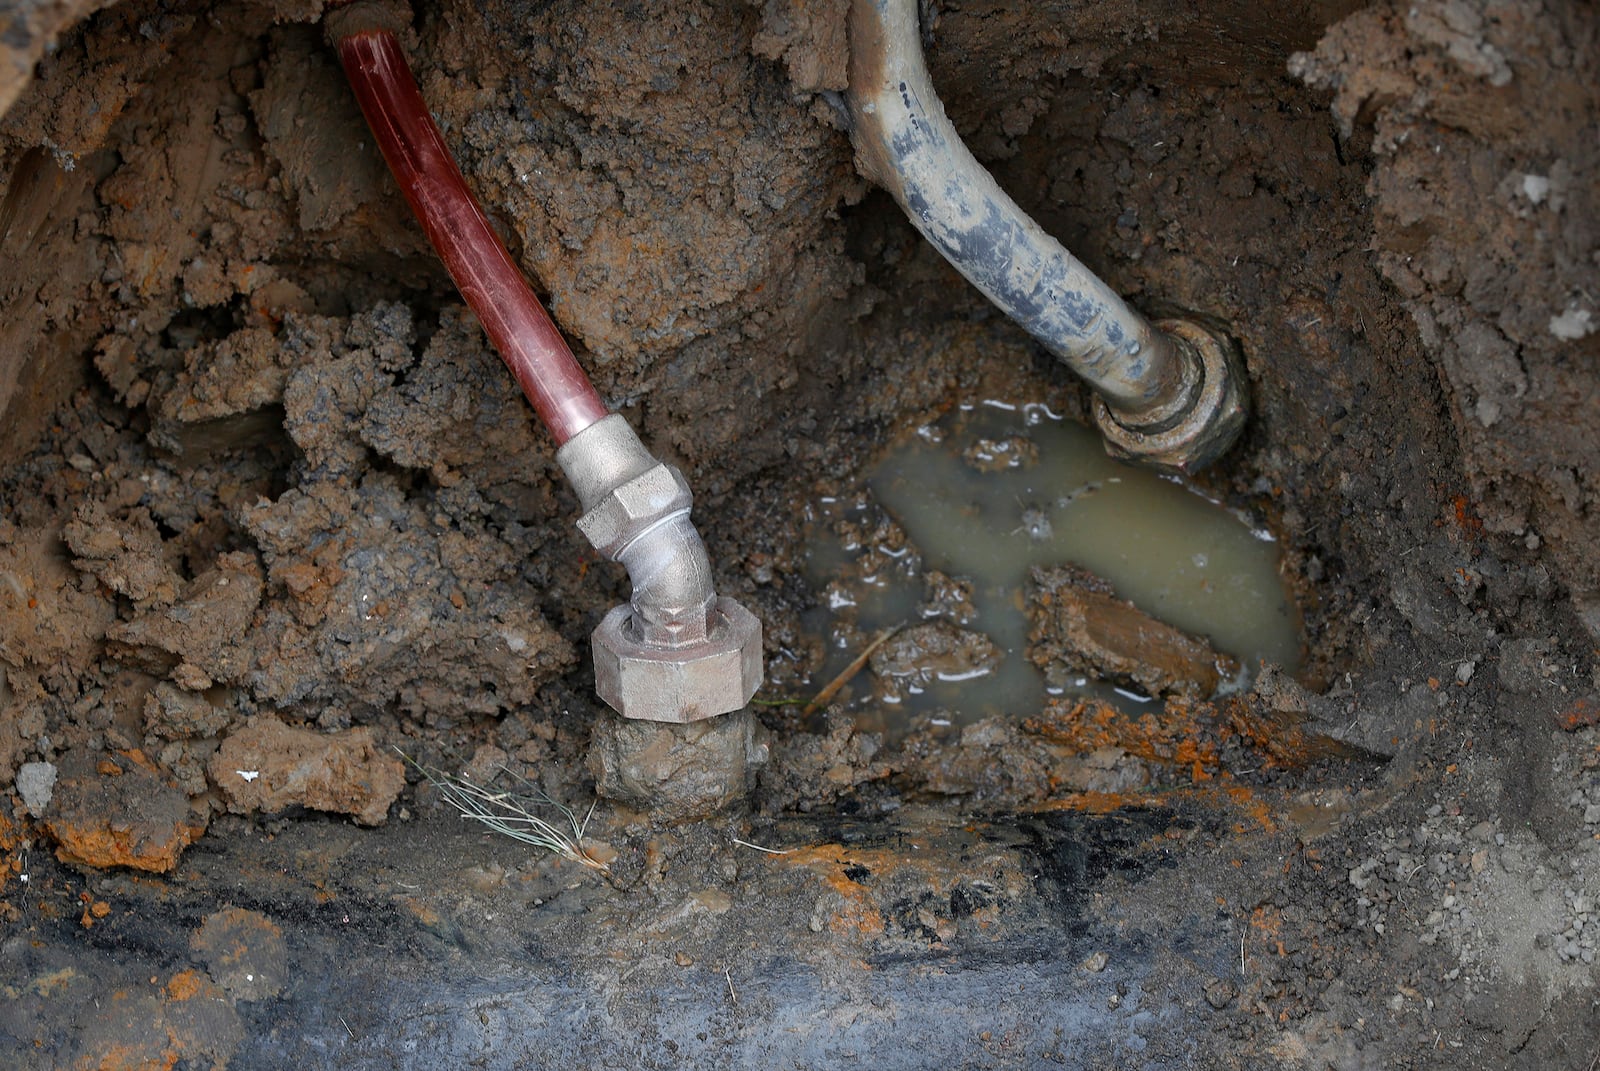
[
  {"x": 786, "y": 701},
  {"x": 731, "y": 992},
  {"x": 759, "y": 848},
  {"x": 346, "y": 1026},
  {"x": 832, "y": 687}
]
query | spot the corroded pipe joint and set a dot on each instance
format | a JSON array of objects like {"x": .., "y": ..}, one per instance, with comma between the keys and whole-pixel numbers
[
  {"x": 1150, "y": 379},
  {"x": 676, "y": 652},
  {"x": 1194, "y": 434}
]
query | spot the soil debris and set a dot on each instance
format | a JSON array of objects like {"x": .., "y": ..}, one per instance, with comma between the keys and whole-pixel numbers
[
  {"x": 114, "y": 810},
  {"x": 244, "y": 952},
  {"x": 677, "y": 771},
  {"x": 196, "y": 639},
  {"x": 1079, "y": 626},
  {"x": 269, "y": 767},
  {"x": 917, "y": 656}
]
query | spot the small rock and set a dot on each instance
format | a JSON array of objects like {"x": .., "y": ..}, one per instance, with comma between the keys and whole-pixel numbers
[
  {"x": 1096, "y": 963},
  {"x": 36, "y": 783},
  {"x": 1464, "y": 671},
  {"x": 1573, "y": 323},
  {"x": 1220, "y": 993}
]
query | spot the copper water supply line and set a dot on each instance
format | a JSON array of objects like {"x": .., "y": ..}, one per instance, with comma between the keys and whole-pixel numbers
[{"x": 677, "y": 652}]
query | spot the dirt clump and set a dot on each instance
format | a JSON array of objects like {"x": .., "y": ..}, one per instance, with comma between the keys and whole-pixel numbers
[
  {"x": 196, "y": 638},
  {"x": 270, "y": 767},
  {"x": 115, "y": 810},
  {"x": 937, "y": 650},
  {"x": 244, "y": 952},
  {"x": 1078, "y": 626},
  {"x": 677, "y": 771}
]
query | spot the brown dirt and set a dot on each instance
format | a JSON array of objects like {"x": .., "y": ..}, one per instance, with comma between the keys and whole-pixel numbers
[
  {"x": 1077, "y": 623},
  {"x": 117, "y": 811},
  {"x": 270, "y": 767},
  {"x": 262, "y": 486}
]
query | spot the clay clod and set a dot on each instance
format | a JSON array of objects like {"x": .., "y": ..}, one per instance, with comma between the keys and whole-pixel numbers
[
  {"x": 1078, "y": 625},
  {"x": 114, "y": 810},
  {"x": 269, "y": 766}
]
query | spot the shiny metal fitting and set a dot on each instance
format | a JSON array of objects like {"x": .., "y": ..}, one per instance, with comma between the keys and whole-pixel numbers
[
  {"x": 717, "y": 676},
  {"x": 677, "y": 652},
  {"x": 627, "y": 510}
]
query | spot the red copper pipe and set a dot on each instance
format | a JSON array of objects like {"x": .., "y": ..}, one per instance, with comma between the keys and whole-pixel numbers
[{"x": 484, "y": 272}]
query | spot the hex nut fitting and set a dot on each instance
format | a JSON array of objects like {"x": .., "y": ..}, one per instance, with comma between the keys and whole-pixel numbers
[
  {"x": 634, "y": 506},
  {"x": 684, "y": 684},
  {"x": 1202, "y": 434}
]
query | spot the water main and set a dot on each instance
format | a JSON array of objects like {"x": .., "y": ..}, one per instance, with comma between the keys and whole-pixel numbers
[
  {"x": 677, "y": 652},
  {"x": 1170, "y": 395}
]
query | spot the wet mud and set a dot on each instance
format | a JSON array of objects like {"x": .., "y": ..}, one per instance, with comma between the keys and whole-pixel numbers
[{"x": 269, "y": 506}]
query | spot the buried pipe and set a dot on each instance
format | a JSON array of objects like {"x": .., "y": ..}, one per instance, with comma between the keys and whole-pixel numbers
[
  {"x": 1170, "y": 395},
  {"x": 677, "y": 652}
]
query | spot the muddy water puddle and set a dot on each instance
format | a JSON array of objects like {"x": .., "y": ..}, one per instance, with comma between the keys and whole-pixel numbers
[{"x": 934, "y": 556}]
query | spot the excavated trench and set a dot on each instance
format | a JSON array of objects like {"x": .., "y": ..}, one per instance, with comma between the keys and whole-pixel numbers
[{"x": 271, "y": 510}]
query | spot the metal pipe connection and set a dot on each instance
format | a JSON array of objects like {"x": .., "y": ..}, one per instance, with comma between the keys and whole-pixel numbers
[
  {"x": 1170, "y": 395},
  {"x": 677, "y": 652}
]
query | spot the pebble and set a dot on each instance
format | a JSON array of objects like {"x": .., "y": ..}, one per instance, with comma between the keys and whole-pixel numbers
[
  {"x": 1220, "y": 993},
  {"x": 36, "y": 784}
]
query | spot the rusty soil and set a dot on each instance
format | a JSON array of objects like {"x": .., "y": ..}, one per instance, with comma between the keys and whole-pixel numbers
[{"x": 271, "y": 511}]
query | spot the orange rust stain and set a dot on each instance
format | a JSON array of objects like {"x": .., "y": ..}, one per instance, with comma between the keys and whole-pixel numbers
[
  {"x": 1468, "y": 522},
  {"x": 1173, "y": 738},
  {"x": 103, "y": 847},
  {"x": 10, "y": 853},
  {"x": 128, "y": 1058},
  {"x": 140, "y": 759},
  {"x": 1267, "y": 921},
  {"x": 832, "y": 862},
  {"x": 1580, "y": 715},
  {"x": 1254, "y": 807},
  {"x": 1186, "y": 734},
  {"x": 185, "y": 985}
]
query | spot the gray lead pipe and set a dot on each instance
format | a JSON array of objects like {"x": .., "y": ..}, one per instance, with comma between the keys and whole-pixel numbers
[{"x": 1150, "y": 381}]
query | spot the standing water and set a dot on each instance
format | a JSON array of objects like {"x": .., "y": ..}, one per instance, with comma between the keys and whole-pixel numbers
[{"x": 989, "y": 492}]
